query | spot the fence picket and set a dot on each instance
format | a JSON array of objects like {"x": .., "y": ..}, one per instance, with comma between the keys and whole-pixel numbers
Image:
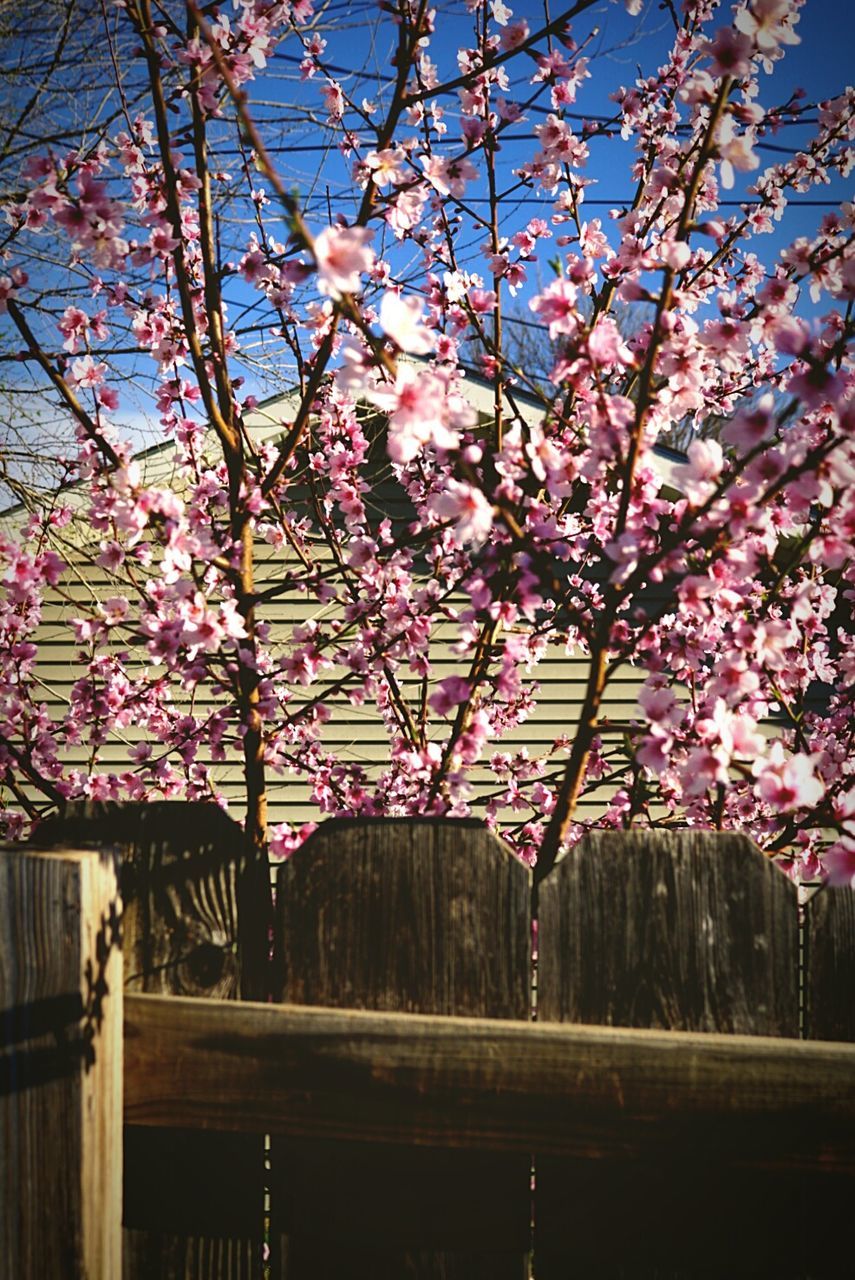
[
  {"x": 424, "y": 916},
  {"x": 830, "y": 965},
  {"x": 829, "y": 1014},
  {"x": 680, "y": 931}
]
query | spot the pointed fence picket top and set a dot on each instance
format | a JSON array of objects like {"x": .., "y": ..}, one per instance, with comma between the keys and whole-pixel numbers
[
  {"x": 418, "y": 915},
  {"x": 691, "y": 931},
  {"x": 195, "y": 909}
]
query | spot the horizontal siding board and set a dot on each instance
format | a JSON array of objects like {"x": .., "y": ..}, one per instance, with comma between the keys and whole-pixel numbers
[
  {"x": 355, "y": 732},
  {"x": 61, "y": 665}
]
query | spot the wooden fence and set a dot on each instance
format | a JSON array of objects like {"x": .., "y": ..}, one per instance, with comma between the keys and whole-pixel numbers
[{"x": 375, "y": 1101}]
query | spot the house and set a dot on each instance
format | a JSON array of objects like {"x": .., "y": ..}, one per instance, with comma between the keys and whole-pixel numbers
[{"x": 356, "y": 733}]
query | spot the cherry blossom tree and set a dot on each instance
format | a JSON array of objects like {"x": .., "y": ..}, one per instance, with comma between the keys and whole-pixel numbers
[{"x": 730, "y": 595}]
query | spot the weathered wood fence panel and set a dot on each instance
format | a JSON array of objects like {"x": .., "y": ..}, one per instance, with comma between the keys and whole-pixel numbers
[
  {"x": 193, "y": 1201},
  {"x": 60, "y": 1066},
  {"x": 420, "y": 916},
  {"x": 684, "y": 931},
  {"x": 406, "y": 1108}
]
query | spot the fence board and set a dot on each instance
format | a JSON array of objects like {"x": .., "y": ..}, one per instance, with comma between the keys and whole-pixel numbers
[
  {"x": 830, "y": 965},
  {"x": 60, "y": 1066},
  {"x": 682, "y": 931},
  {"x": 829, "y": 1014},
  {"x": 411, "y": 916},
  {"x": 194, "y": 913}
]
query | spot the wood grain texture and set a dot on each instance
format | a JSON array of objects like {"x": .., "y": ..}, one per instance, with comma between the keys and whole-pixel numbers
[
  {"x": 60, "y": 1066},
  {"x": 425, "y": 1080},
  {"x": 428, "y": 916},
  {"x": 186, "y": 884},
  {"x": 418, "y": 915},
  {"x": 687, "y": 931},
  {"x": 829, "y": 1014},
  {"x": 187, "y": 887},
  {"x": 680, "y": 931},
  {"x": 830, "y": 965}
]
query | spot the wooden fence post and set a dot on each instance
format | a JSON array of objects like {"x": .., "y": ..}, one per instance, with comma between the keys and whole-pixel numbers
[
  {"x": 193, "y": 1200},
  {"x": 829, "y": 1014},
  {"x": 421, "y": 916},
  {"x": 692, "y": 931},
  {"x": 60, "y": 1066}
]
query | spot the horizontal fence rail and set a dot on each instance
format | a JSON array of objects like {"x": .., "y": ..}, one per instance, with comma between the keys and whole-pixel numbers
[{"x": 558, "y": 1088}]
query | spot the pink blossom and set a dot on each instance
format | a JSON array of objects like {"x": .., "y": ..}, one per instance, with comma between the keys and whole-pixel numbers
[
  {"x": 468, "y": 508},
  {"x": 162, "y": 243},
  {"x": 7, "y": 291},
  {"x": 476, "y": 732},
  {"x": 112, "y": 555},
  {"x": 817, "y": 384},
  {"x": 791, "y": 335},
  {"x": 734, "y": 151},
  {"x": 515, "y": 34},
  {"x": 839, "y": 863},
  {"x": 658, "y": 703},
  {"x": 768, "y": 23},
  {"x": 751, "y": 427},
  {"x": 418, "y": 413},
  {"x": 654, "y": 751},
  {"x": 402, "y": 320},
  {"x": 285, "y": 840},
  {"x": 449, "y": 694},
  {"x": 334, "y": 100},
  {"x": 403, "y": 213},
  {"x": 386, "y": 167},
  {"x": 448, "y": 177},
  {"x": 482, "y": 301},
  {"x": 87, "y": 373},
  {"x": 705, "y": 767},
  {"x": 557, "y": 308},
  {"x": 606, "y": 348},
  {"x": 73, "y": 325},
  {"x": 341, "y": 256},
  {"x": 787, "y": 782},
  {"x": 675, "y": 253},
  {"x": 731, "y": 52},
  {"x": 705, "y": 465},
  {"x": 844, "y": 810}
]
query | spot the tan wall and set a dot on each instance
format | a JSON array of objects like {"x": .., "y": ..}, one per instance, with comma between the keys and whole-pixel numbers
[{"x": 356, "y": 733}]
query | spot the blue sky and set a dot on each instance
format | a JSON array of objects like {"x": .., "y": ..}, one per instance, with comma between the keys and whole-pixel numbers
[
  {"x": 821, "y": 65},
  {"x": 359, "y": 55},
  {"x": 360, "y": 44}
]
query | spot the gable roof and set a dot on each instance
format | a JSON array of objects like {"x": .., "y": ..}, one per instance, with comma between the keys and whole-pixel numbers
[{"x": 267, "y": 421}]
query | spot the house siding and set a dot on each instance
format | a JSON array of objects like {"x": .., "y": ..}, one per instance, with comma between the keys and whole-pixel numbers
[{"x": 356, "y": 733}]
